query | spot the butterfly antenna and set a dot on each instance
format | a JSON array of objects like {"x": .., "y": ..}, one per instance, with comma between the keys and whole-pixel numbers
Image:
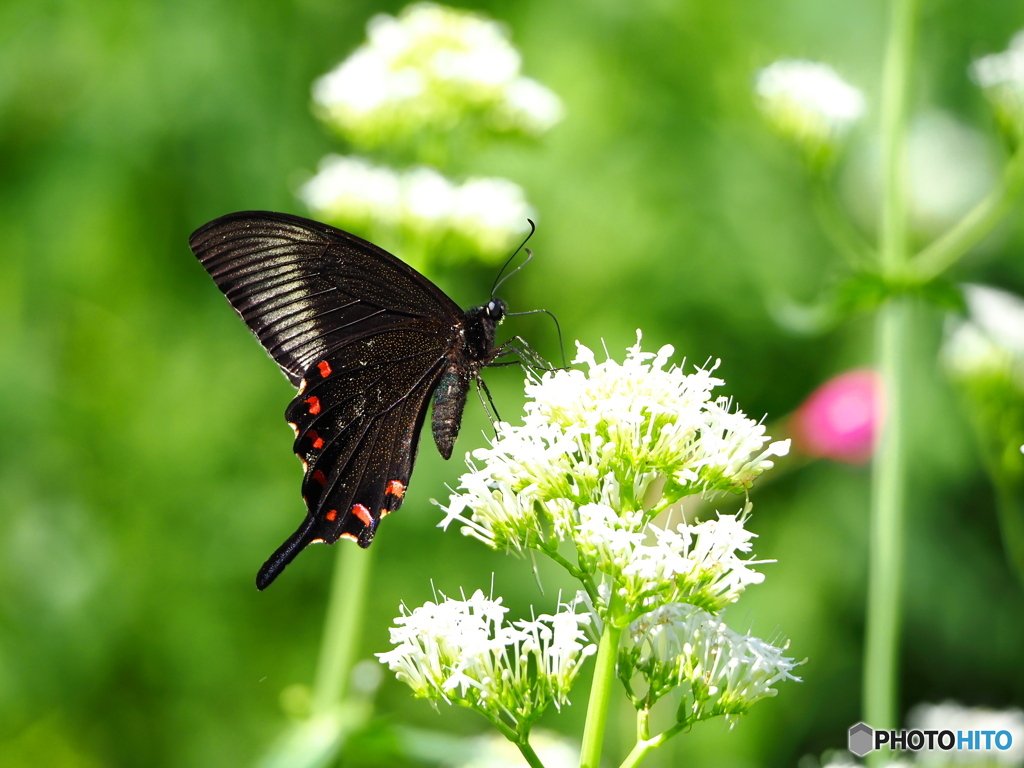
[
  {"x": 498, "y": 280},
  {"x": 558, "y": 327}
]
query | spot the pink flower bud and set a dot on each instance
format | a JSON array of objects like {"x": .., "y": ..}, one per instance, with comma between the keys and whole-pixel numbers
[{"x": 840, "y": 419}]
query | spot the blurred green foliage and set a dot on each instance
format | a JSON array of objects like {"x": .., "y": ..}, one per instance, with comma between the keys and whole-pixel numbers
[{"x": 146, "y": 469}]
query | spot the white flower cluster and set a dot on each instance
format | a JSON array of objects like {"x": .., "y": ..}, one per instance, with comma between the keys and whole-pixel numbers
[
  {"x": 718, "y": 671},
  {"x": 433, "y": 69},
  {"x": 461, "y": 651},
  {"x": 808, "y": 102},
  {"x": 1001, "y": 76},
  {"x": 601, "y": 452},
  {"x": 485, "y": 214}
]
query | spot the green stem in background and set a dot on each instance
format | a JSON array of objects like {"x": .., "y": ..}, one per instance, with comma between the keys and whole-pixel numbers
[
  {"x": 342, "y": 627},
  {"x": 886, "y": 541},
  {"x": 973, "y": 227},
  {"x": 600, "y": 693},
  {"x": 1010, "y": 498},
  {"x": 887, "y": 493},
  {"x": 836, "y": 225}
]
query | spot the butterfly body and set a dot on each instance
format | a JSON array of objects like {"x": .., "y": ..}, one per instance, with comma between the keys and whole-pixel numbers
[{"x": 368, "y": 342}]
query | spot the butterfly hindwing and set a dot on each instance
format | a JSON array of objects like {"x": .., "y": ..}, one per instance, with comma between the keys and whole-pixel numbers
[{"x": 357, "y": 420}]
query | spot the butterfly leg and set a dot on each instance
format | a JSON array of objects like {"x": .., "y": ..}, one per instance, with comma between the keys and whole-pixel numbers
[
  {"x": 488, "y": 404},
  {"x": 528, "y": 356}
]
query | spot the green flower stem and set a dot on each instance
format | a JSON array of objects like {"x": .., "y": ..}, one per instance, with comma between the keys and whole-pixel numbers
[
  {"x": 645, "y": 745},
  {"x": 600, "y": 691},
  {"x": 639, "y": 752},
  {"x": 520, "y": 738},
  {"x": 527, "y": 752},
  {"x": 342, "y": 628},
  {"x": 887, "y": 495},
  {"x": 975, "y": 225}
]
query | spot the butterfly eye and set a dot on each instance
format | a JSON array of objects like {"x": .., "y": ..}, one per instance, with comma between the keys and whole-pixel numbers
[{"x": 496, "y": 309}]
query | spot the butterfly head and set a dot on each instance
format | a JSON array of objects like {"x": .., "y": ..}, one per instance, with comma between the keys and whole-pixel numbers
[{"x": 495, "y": 310}]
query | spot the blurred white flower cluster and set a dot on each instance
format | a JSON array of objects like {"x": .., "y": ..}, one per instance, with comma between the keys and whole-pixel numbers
[
  {"x": 983, "y": 354},
  {"x": 481, "y": 214},
  {"x": 462, "y": 651},
  {"x": 990, "y": 339},
  {"x": 429, "y": 86},
  {"x": 1001, "y": 77},
  {"x": 955, "y": 717},
  {"x": 809, "y": 104},
  {"x": 601, "y": 454},
  {"x": 433, "y": 70}
]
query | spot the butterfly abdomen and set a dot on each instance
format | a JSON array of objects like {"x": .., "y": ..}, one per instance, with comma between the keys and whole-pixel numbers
[{"x": 449, "y": 401}]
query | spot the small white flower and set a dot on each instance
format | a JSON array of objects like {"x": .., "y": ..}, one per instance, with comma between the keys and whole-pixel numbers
[
  {"x": 490, "y": 212},
  {"x": 1001, "y": 76},
  {"x": 462, "y": 651},
  {"x": 808, "y": 102},
  {"x": 531, "y": 106},
  {"x": 720, "y": 671},
  {"x": 353, "y": 191},
  {"x": 432, "y": 69}
]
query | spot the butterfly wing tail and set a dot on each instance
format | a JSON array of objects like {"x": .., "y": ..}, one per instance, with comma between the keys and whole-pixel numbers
[{"x": 295, "y": 543}]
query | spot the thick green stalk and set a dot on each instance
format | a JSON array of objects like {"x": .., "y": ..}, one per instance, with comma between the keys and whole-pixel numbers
[
  {"x": 342, "y": 627},
  {"x": 886, "y": 541},
  {"x": 887, "y": 492},
  {"x": 600, "y": 695}
]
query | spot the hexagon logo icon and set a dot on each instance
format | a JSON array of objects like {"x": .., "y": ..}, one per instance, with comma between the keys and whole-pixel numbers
[{"x": 861, "y": 739}]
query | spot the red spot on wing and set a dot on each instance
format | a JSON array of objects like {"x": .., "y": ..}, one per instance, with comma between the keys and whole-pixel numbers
[
  {"x": 314, "y": 405},
  {"x": 332, "y": 515},
  {"x": 325, "y": 368},
  {"x": 363, "y": 514},
  {"x": 320, "y": 477},
  {"x": 318, "y": 442},
  {"x": 395, "y": 488}
]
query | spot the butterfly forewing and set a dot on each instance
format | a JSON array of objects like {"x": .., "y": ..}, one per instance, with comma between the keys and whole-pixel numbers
[{"x": 306, "y": 288}]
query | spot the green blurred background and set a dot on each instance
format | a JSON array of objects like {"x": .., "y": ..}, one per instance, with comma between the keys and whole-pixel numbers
[{"x": 146, "y": 468}]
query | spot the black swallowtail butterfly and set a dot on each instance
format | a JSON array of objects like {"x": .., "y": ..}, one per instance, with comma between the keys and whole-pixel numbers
[{"x": 367, "y": 340}]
